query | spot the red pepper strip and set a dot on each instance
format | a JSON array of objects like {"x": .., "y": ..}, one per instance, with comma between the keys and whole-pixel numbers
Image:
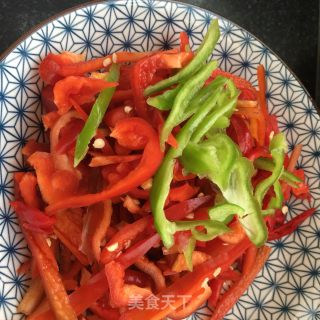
[
  {"x": 49, "y": 273},
  {"x": 32, "y": 218},
  {"x": 82, "y": 298},
  {"x": 120, "y": 292},
  {"x": 235, "y": 292},
  {"x": 235, "y": 235},
  {"x": 122, "y": 95},
  {"x": 99, "y": 161},
  {"x": 32, "y": 146},
  {"x": 138, "y": 250},
  {"x": 249, "y": 259},
  {"x": 216, "y": 286},
  {"x": 294, "y": 157},
  {"x": 240, "y": 134},
  {"x": 144, "y": 70},
  {"x": 104, "y": 313},
  {"x": 28, "y": 190},
  {"x": 187, "y": 285},
  {"x": 49, "y": 120},
  {"x": 77, "y": 89},
  {"x": 69, "y": 233},
  {"x": 134, "y": 133},
  {"x": 123, "y": 237},
  {"x": 68, "y": 136},
  {"x": 180, "y": 210},
  {"x": 302, "y": 191},
  {"x": 95, "y": 229},
  {"x": 239, "y": 82},
  {"x": 184, "y": 42},
  {"x": 139, "y": 193},
  {"x": 272, "y": 126},
  {"x": 182, "y": 193},
  {"x": 138, "y": 278},
  {"x": 178, "y": 173},
  {"x": 56, "y": 66},
  {"x": 262, "y": 90},
  {"x": 231, "y": 275},
  {"x": 290, "y": 226},
  {"x": 258, "y": 152},
  {"x": 116, "y": 114},
  {"x": 47, "y": 99}
]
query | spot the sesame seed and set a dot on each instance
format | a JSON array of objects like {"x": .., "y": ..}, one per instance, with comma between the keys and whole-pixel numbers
[
  {"x": 216, "y": 272},
  {"x": 113, "y": 247},
  {"x": 127, "y": 109},
  {"x": 99, "y": 143},
  {"x": 205, "y": 283},
  {"x": 285, "y": 209},
  {"x": 106, "y": 62},
  {"x": 147, "y": 184},
  {"x": 48, "y": 242},
  {"x": 271, "y": 135}
]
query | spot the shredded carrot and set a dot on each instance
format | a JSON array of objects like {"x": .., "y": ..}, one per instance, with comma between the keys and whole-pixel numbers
[{"x": 294, "y": 157}]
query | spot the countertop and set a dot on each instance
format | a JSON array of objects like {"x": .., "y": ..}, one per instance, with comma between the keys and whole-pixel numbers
[{"x": 289, "y": 27}]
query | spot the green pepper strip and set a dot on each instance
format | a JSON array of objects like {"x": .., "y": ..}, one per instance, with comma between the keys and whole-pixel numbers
[
  {"x": 276, "y": 202},
  {"x": 286, "y": 176},
  {"x": 188, "y": 251},
  {"x": 183, "y": 98},
  {"x": 225, "y": 212},
  {"x": 202, "y": 54},
  {"x": 165, "y": 100},
  {"x": 278, "y": 148},
  {"x": 220, "y": 160},
  {"x": 162, "y": 180},
  {"x": 97, "y": 113}
]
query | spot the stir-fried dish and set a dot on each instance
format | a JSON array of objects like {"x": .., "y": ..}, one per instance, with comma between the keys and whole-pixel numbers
[{"x": 161, "y": 180}]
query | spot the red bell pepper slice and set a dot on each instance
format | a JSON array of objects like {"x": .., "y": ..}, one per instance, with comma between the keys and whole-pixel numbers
[
  {"x": 47, "y": 99},
  {"x": 79, "y": 89},
  {"x": 116, "y": 114},
  {"x": 28, "y": 190},
  {"x": 105, "y": 313},
  {"x": 290, "y": 226},
  {"x": 183, "y": 192},
  {"x": 249, "y": 259},
  {"x": 178, "y": 173},
  {"x": 143, "y": 73},
  {"x": 32, "y": 218},
  {"x": 240, "y": 134},
  {"x": 184, "y": 42},
  {"x": 69, "y": 233},
  {"x": 95, "y": 228},
  {"x": 235, "y": 292},
  {"x": 99, "y": 161},
  {"x": 216, "y": 286},
  {"x": 188, "y": 285},
  {"x": 55, "y": 291},
  {"x": 258, "y": 152},
  {"x": 123, "y": 238},
  {"x": 180, "y": 210},
  {"x": 135, "y": 133}
]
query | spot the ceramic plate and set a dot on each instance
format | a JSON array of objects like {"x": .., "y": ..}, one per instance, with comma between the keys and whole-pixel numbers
[{"x": 288, "y": 286}]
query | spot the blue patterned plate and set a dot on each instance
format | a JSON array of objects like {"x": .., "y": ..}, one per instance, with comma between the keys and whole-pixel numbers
[{"x": 288, "y": 287}]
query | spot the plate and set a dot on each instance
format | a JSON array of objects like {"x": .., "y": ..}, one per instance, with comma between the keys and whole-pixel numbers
[{"x": 288, "y": 286}]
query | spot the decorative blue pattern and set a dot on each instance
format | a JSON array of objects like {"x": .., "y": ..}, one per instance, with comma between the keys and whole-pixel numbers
[{"x": 288, "y": 286}]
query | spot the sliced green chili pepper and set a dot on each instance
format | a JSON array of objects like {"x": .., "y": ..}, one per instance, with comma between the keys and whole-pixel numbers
[
  {"x": 165, "y": 100},
  {"x": 188, "y": 251},
  {"x": 220, "y": 160},
  {"x": 278, "y": 147},
  {"x": 201, "y": 56},
  {"x": 181, "y": 102},
  {"x": 276, "y": 202},
  {"x": 268, "y": 165},
  {"x": 97, "y": 113},
  {"x": 161, "y": 183},
  {"x": 225, "y": 212}
]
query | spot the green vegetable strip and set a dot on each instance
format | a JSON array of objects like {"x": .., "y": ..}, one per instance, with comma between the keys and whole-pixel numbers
[
  {"x": 162, "y": 180},
  {"x": 96, "y": 115},
  {"x": 277, "y": 149},
  {"x": 181, "y": 102},
  {"x": 268, "y": 165},
  {"x": 165, "y": 100},
  {"x": 225, "y": 212},
  {"x": 276, "y": 202},
  {"x": 201, "y": 56},
  {"x": 188, "y": 251}
]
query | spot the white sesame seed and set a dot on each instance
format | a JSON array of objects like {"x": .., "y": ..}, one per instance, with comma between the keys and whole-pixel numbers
[
  {"x": 190, "y": 215},
  {"x": 285, "y": 209},
  {"x": 201, "y": 194},
  {"x": 106, "y": 62},
  {"x": 99, "y": 143},
  {"x": 216, "y": 272},
  {"x": 147, "y": 184},
  {"x": 271, "y": 135},
  {"x": 113, "y": 247},
  {"x": 48, "y": 242},
  {"x": 205, "y": 283},
  {"x": 127, "y": 109},
  {"x": 114, "y": 58}
]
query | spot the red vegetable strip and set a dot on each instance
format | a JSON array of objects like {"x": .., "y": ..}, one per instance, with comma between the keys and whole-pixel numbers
[
  {"x": 122, "y": 95},
  {"x": 262, "y": 90},
  {"x": 182, "y": 193},
  {"x": 236, "y": 291},
  {"x": 294, "y": 157},
  {"x": 105, "y": 313},
  {"x": 131, "y": 131},
  {"x": 99, "y": 161},
  {"x": 230, "y": 275},
  {"x": 28, "y": 190},
  {"x": 51, "y": 279},
  {"x": 290, "y": 226},
  {"x": 249, "y": 259},
  {"x": 184, "y": 41},
  {"x": 216, "y": 286},
  {"x": 187, "y": 285}
]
